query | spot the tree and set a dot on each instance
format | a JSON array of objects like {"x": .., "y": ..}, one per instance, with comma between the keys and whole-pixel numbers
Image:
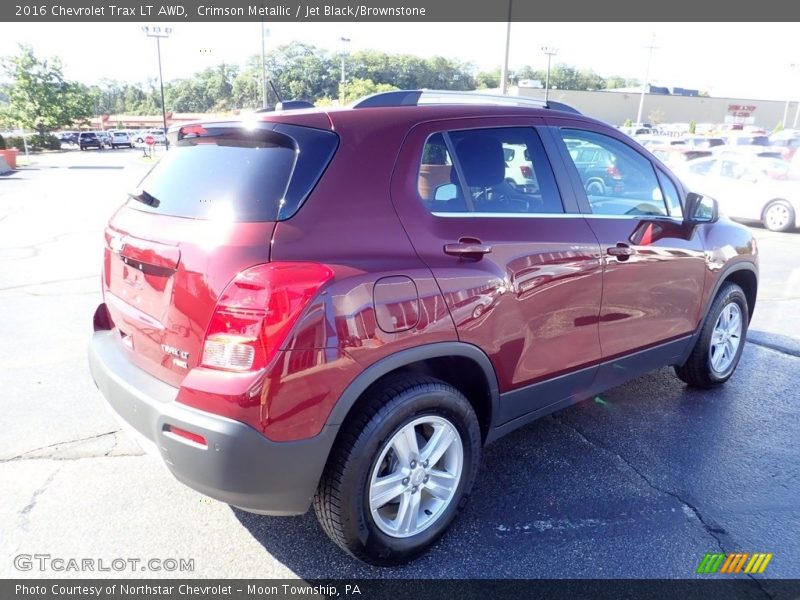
[
  {"x": 39, "y": 97},
  {"x": 488, "y": 79},
  {"x": 358, "y": 88}
]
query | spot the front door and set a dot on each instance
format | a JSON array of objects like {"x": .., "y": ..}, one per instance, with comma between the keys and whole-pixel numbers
[{"x": 654, "y": 263}]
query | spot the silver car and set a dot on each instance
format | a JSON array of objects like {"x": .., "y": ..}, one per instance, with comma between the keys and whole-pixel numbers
[{"x": 748, "y": 188}]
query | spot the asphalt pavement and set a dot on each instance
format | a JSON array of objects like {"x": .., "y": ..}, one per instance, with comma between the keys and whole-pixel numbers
[{"x": 641, "y": 481}]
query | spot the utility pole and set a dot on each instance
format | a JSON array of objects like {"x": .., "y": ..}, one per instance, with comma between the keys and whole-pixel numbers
[
  {"x": 342, "y": 94},
  {"x": 651, "y": 47},
  {"x": 504, "y": 74},
  {"x": 264, "y": 35}
]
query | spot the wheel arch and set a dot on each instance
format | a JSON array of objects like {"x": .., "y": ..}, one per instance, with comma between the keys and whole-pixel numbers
[
  {"x": 464, "y": 366},
  {"x": 746, "y": 279},
  {"x": 745, "y": 275}
]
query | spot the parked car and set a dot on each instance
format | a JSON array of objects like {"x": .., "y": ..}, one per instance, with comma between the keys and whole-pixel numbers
[
  {"x": 68, "y": 137},
  {"x": 747, "y": 139},
  {"x": 519, "y": 170},
  {"x": 703, "y": 141},
  {"x": 744, "y": 151},
  {"x": 89, "y": 139},
  {"x": 290, "y": 318},
  {"x": 120, "y": 139},
  {"x": 748, "y": 188},
  {"x": 597, "y": 169},
  {"x": 105, "y": 138},
  {"x": 676, "y": 155},
  {"x": 787, "y": 145},
  {"x": 157, "y": 134}
]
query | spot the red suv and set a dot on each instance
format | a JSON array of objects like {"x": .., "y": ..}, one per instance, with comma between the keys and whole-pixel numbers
[{"x": 342, "y": 307}]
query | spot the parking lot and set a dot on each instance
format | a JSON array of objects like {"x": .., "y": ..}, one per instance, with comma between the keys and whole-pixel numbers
[{"x": 640, "y": 482}]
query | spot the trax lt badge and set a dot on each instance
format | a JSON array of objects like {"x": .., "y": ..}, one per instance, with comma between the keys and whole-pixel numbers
[{"x": 180, "y": 356}]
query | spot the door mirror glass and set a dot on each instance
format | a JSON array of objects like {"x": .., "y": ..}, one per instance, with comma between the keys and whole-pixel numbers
[
  {"x": 446, "y": 191},
  {"x": 701, "y": 209}
]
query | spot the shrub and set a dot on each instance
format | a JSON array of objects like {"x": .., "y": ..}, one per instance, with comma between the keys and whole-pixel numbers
[
  {"x": 35, "y": 142},
  {"x": 2, "y": 143},
  {"x": 692, "y": 126},
  {"x": 47, "y": 142},
  {"x": 13, "y": 141}
]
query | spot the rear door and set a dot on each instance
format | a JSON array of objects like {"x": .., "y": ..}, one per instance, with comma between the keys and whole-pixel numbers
[
  {"x": 654, "y": 263},
  {"x": 518, "y": 266},
  {"x": 204, "y": 213}
]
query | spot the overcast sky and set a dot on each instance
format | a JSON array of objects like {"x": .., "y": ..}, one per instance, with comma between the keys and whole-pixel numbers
[{"x": 748, "y": 60}]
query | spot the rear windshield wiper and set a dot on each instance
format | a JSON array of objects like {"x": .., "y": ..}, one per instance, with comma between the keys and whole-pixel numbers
[{"x": 146, "y": 198}]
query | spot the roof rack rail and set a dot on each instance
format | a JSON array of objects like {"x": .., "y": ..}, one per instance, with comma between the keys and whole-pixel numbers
[{"x": 428, "y": 97}]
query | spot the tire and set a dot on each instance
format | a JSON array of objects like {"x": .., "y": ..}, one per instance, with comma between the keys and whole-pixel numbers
[
  {"x": 366, "y": 452},
  {"x": 707, "y": 367},
  {"x": 596, "y": 188},
  {"x": 778, "y": 216}
]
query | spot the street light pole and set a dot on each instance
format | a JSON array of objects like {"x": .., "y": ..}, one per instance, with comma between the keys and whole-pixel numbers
[
  {"x": 504, "y": 74},
  {"x": 264, "y": 35},
  {"x": 651, "y": 47},
  {"x": 158, "y": 33},
  {"x": 550, "y": 52},
  {"x": 342, "y": 95}
]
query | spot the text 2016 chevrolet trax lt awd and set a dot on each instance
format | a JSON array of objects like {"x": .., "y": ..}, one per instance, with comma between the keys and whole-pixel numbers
[{"x": 340, "y": 308}]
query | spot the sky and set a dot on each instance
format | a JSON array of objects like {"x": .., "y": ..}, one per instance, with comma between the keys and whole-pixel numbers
[{"x": 743, "y": 60}]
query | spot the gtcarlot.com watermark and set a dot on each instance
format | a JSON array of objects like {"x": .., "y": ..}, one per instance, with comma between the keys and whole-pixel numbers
[{"x": 58, "y": 564}]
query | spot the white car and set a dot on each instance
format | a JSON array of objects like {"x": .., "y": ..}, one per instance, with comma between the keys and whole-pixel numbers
[
  {"x": 120, "y": 139},
  {"x": 748, "y": 188},
  {"x": 519, "y": 169},
  {"x": 157, "y": 134}
]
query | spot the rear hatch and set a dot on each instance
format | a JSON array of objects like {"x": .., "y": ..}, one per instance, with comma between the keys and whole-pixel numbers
[{"x": 204, "y": 213}]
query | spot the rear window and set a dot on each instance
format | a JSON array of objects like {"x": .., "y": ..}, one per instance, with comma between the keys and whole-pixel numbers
[{"x": 235, "y": 173}]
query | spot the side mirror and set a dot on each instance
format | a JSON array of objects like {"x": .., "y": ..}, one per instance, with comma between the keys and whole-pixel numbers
[
  {"x": 700, "y": 209},
  {"x": 446, "y": 191}
]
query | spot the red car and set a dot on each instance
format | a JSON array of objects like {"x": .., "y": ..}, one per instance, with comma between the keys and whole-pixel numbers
[{"x": 301, "y": 310}]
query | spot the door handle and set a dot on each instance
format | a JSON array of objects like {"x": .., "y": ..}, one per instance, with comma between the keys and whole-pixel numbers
[
  {"x": 622, "y": 251},
  {"x": 467, "y": 247}
]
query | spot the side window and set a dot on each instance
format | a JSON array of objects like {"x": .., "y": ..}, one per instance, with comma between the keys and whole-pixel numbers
[
  {"x": 671, "y": 195},
  {"x": 617, "y": 179},
  {"x": 503, "y": 171}
]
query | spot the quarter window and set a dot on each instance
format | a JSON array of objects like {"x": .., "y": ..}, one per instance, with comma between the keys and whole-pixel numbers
[{"x": 617, "y": 179}]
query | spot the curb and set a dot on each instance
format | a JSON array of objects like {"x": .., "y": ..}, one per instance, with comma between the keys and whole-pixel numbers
[{"x": 780, "y": 343}]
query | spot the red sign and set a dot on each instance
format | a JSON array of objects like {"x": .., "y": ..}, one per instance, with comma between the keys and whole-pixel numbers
[{"x": 150, "y": 140}]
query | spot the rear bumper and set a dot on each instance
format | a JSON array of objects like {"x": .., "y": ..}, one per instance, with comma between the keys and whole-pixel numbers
[{"x": 238, "y": 466}]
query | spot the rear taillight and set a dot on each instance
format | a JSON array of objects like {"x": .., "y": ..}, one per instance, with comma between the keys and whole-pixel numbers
[
  {"x": 256, "y": 312},
  {"x": 613, "y": 172},
  {"x": 526, "y": 171}
]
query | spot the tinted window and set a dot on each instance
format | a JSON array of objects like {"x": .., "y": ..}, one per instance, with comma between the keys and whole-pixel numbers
[
  {"x": 235, "y": 173},
  {"x": 617, "y": 179},
  {"x": 502, "y": 171}
]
